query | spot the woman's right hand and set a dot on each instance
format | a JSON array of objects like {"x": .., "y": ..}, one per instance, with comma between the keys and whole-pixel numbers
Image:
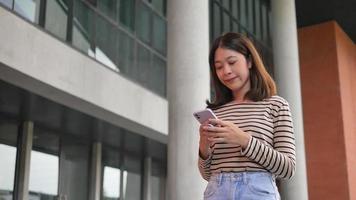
[{"x": 204, "y": 143}]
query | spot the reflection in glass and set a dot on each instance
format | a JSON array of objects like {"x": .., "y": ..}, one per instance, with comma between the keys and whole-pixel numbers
[
  {"x": 127, "y": 14},
  {"x": 74, "y": 169},
  {"x": 159, "y": 5},
  {"x": 108, "y": 7},
  {"x": 216, "y": 21},
  {"x": 56, "y": 18},
  {"x": 82, "y": 27},
  {"x": 106, "y": 37},
  {"x": 159, "y": 71},
  {"x": 7, "y": 3},
  {"x": 29, "y": 9},
  {"x": 43, "y": 182},
  {"x": 7, "y": 170},
  {"x": 111, "y": 185},
  {"x": 132, "y": 178},
  {"x": 159, "y": 34},
  {"x": 126, "y": 53},
  {"x": 144, "y": 23},
  {"x": 132, "y": 185}
]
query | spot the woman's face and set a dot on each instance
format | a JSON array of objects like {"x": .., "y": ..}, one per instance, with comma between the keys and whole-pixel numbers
[{"x": 232, "y": 69}]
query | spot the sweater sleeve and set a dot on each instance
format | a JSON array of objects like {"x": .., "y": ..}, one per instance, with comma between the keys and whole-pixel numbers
[
  {"x": 279, "y": 160},
  {"x": 204, "y": 167}
]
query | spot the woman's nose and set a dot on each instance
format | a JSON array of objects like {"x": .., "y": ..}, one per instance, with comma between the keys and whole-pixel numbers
[{"x": 227, "y": 70}]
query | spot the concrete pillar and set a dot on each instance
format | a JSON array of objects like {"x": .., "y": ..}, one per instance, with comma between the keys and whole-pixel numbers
[
  {"x": 95, "y": 173},
  {"x": 287, "y": 76},
  {"x": 23, "y": 161},
  {"x": 188, "y": 86}
]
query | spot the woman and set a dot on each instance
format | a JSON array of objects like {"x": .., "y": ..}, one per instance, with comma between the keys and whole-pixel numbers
[{"x": 252, "y": 141}]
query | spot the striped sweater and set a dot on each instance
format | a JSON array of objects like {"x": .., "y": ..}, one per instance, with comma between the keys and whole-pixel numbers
[{"x": 271, "y": 147}]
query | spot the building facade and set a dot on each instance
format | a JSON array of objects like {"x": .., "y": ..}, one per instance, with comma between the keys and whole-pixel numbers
[{"x": 97, "y": 96}]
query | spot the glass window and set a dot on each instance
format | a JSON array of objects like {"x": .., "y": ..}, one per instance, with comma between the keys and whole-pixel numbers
[
  {"x": 44, "y": 166},
  {"x": 159, "y": 34},
  {"x": 143, "y": 25},
  {"x": 30, "y": 9},
  {"x": 106, "y": 38},
  {"x": 157, "y": 181},
  {"x": 83, "y": 18},
  {"x": 56, "y": 18},
  {"x": 159, "y": 5},
  {"x": 226, "y": 4},
  {"x": 226, "y": 22},
  {"x": 158, "y": 80},
  {"x": 217, "y": 20},
  {"x": 258, "y": 19},
  {"x": 7, "y": 3},
  {"x": 132, "y": 178},
  {"x": 235, "y": 9},
  {"x": 144, "y": 73},
  {"x": 111, "y": 185},
  {"x": 243, "y": 13},
  {"x": 108, "y": 8},
  {"x": 8, "y": 141},
  {"x": 43, "y": 175},
  {"x": 250, "y": 16},
  {"x": 74, "y": 169},
  {"x": 127, "y": 14},
  {"x": 126, "y": 53},
  {"x": 264, "y": 13},
  {"x": 111, "y": 174}
]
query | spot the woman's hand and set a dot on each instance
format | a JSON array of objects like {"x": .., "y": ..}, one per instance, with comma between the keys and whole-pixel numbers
[
  {"x": 226, "y": 132},
  {"x": 204, "y": 143}
]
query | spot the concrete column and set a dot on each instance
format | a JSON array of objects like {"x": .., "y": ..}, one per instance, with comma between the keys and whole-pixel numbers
[
  {"x": 188, "y": 86},
  {"x": 147, "y": 178},
  {"x": 95, "y": 173},
  {"x": 287, "y": 76},
  {"x": 23, "y": 161}
]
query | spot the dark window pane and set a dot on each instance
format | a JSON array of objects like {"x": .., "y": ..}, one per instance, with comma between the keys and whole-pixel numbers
[
  {"x": 258, "y": 19},
  {"x": 144, "y": 73},
  {"x": 108, "y": 8},
  {"x": 74, "y": 169},
  {"x": 158, "y": 81},
  {"x": 226, "y": 4},
  {"x": 243, "y": 13},
  {"x": 159, "y": 5},
  {"x": 250, "y": 15},
  {"x": 216, "y": 21},
  {"x": 7, "y": 3},
  {"x": 132, "y": 178},
  {"x": 127, "y": 13},
  {"x": 106, "y": 38},
  {"x": 235, "y": 9},
  {"x": 126, "y": 54},
  {"x": 28, "y": 9},
  {"x": 159, "y": 34},
  {"x": 82, "y": 27},
  {"x": 143, "y": 25},
  {"x": 227, "y": 19},
  {"x": 56, "y": 18}
]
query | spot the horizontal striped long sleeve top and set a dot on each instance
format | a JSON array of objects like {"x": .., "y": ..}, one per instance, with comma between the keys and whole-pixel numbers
[{"x": 271, "y": 147}]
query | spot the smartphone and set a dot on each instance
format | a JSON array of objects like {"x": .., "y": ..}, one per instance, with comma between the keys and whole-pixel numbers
[{"x": 204, "y": 115}]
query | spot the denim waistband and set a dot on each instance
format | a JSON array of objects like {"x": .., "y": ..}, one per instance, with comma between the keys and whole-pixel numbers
[{"x": 235, "y": 176}]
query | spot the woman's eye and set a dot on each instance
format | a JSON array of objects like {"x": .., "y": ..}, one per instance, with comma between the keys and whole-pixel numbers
[
  {"x": 232, "y": 62},
  {"x": 218, "y": 67}
]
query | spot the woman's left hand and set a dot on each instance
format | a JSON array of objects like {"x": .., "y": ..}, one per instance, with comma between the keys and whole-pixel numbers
[{"x": 226, "y": 132}]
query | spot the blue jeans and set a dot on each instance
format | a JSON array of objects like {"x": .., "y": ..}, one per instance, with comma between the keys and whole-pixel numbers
[{"x": 242, "y": 186}]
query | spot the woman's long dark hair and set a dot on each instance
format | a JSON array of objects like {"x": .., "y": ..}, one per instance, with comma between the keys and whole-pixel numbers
[{"x": 262, "y": 84}]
